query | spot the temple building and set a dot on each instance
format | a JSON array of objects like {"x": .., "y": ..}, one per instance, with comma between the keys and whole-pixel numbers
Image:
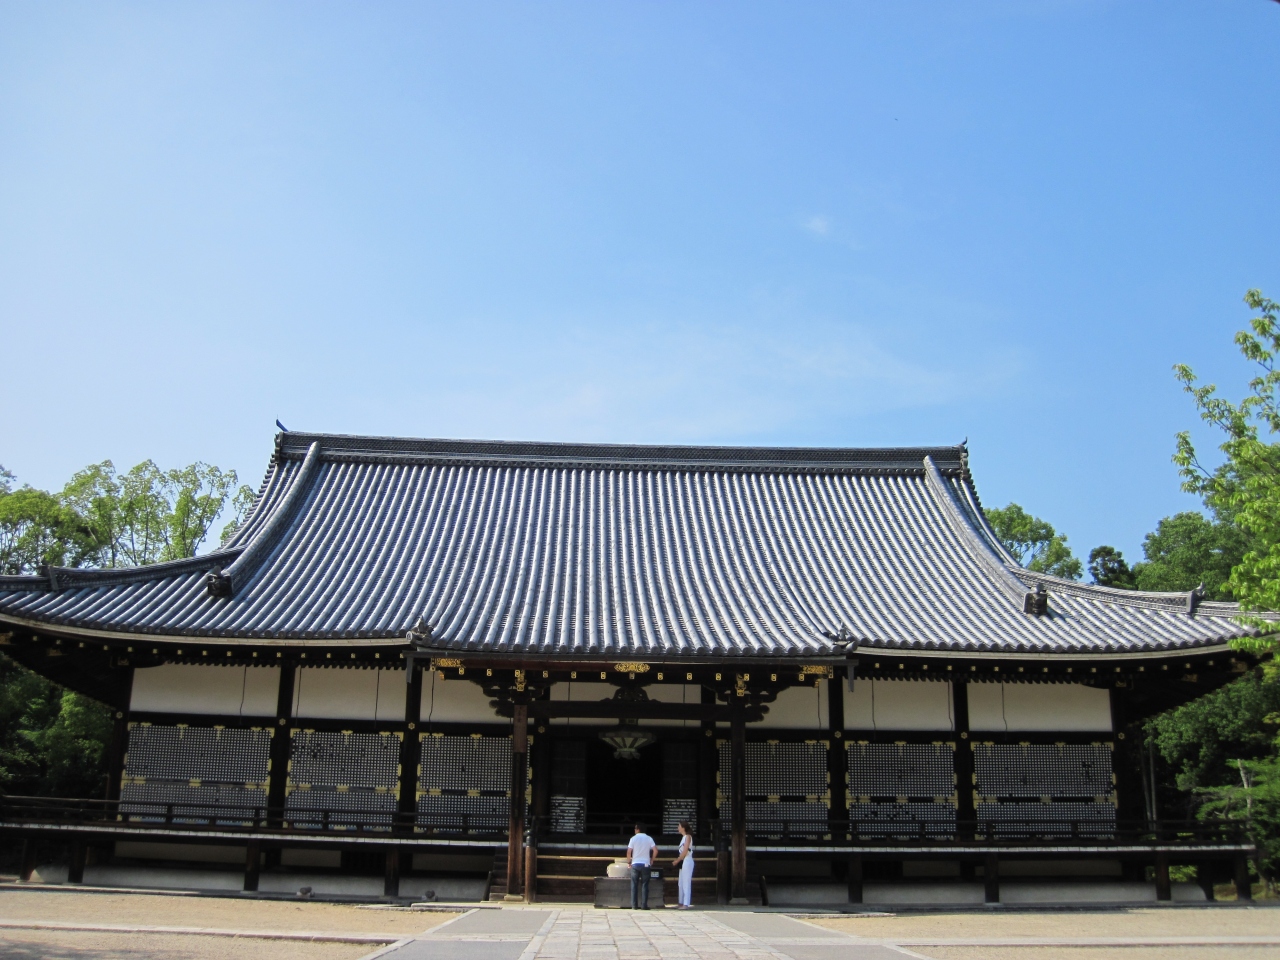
[{"x": 434, "y": 658}]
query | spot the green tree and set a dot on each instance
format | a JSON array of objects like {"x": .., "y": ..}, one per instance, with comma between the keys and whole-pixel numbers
[
  {"x": 1033, "y": 542},
  {"x": 1188, "y": 549},
  {"x": 1245, "y": 488},
  {"x": 1201, "y": 738},
  {"x": 53, "y": 741},
  {"x": 1108, "y": 568},
  {"x": 36, "y": 529},
  {"x": 149, "y": 515}
]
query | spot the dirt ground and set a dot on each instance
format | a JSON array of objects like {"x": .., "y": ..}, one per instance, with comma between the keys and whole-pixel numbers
[
  {"x": 180, "y": 911},
  {"x": 47, "y": 945},
  {"x": 221, "y": 912},
  {"x": 1169, "y": 922}
]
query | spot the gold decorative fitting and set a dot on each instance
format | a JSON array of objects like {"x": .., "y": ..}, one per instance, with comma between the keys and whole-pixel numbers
[
  {"x": 520, "y": 682},
  {"x": 816, "y": 670},
  {"x": 440, "y": 663},
  {"x": 659, "y": 676},
  {"x": 688, "y": 676},
  {"x": 740, "y": 685},
  {"x": 573, "y": 674},
  {"x": 630, "y": 667}
]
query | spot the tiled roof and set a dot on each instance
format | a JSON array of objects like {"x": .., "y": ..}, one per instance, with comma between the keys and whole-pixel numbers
[{"x": 585, "y": 550}]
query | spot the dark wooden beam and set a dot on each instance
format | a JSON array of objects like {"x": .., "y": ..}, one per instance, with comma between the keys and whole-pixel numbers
[{"x": 647, "y": 710}]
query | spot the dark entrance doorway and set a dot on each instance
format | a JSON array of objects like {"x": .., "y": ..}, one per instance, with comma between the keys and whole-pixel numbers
[{"x": 620, "y": 792}]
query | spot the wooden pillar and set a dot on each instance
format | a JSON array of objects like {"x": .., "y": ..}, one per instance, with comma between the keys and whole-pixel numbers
[
  {"x": 391, "y": 876},
  {"x": 1164, "y": 890},
  {"x": 854, "y": 878},
  {"x": 281, "y": 747},
  {"x": 966, "y": 809},
  {"x": 75, "y": 862},
  {"x": 252, "y": 865},
  {"x": 539, "y": 807},
  {"x": 708, "y": 771},
  {"x": 117, "y": 751},
  {"x": 410, "y": 751},
  {"x": 991, "y": 878},
  {"x": 738, "y": 808},
  {"x": 519, "y": 777},
  {"x": 837, "y": 761},
  {"x": 1244, "y": 889},
  {"x": 28, "y": 860}
]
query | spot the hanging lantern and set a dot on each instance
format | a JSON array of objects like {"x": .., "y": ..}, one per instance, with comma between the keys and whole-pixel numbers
[{"x": 627, "y": 739}]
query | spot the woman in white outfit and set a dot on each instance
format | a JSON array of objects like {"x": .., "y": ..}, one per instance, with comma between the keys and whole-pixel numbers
[{"x": 685, "y": 863}]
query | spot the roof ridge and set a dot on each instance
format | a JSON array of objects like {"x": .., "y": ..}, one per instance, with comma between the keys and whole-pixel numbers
[
  {"x": 1151, "y": 599},
  {"x": 293, "y": 445},
  {"x": 963, "y": 523}
]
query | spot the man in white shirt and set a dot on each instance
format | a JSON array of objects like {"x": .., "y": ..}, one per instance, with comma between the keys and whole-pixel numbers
[{"x": 641, "y": 852}]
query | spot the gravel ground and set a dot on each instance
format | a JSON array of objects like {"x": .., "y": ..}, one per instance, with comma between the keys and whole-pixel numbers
[
  {"x": 47, "y": 945},
  {"x": 1173, "y": 922},
  {"x": 222, "y": 912}
]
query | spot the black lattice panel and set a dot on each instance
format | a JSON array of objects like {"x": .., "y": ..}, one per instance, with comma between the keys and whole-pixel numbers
[
  {"x": 449, "y": 812},
  {"x": 207, "y": 754},
  {"x": 1043, "y": 770},
  {"x": 903, "y": 819},
  {"x": 780, "y": 769},
  {"x": 1053, "y": 819},
  {"x": 328, "y": 807},
  {"x": 568, "y": 814},
  {"x": 673, "y": 811},
  {"x": 465, "y": 763},
  {"x": 333, "y": 759},
  {"x": 178, "y": 802},
  {"x": 797, "y": 817},
  {"x": 194, "y": 774},
  {"x": 901, "y": 770}
]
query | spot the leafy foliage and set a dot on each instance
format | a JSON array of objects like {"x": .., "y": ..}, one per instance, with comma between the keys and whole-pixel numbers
[
  {"x": 36, "y": 529},
  {"x": 149, "y": 515},
  {"x": 1188, "y": 549},
  {"x": 1033, "y": 542},
  {"x": 1245, "y": 489},
  {"x": 53, "y": 741},
  {"x": 1253, "y": 797},
  {"x": 1107, "y": 568},
  {"x": 1201, "y": 738}
]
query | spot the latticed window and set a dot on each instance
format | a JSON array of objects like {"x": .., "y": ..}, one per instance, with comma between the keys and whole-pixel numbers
[
  {"x": 343, "y": 779},
  {"x": 182, "y": 773},
  {"x": 1045, "y": 789},
  {"x": 787, "y": 786},
  {"x": 464, "y": 783},
  {"x": 901, "y": 789}
]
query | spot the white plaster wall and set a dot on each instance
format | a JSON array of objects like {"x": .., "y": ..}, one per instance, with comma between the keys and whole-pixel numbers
[
  {"x": 1066, "y": 707},
  {"x": 898, "y": 705},
  {"x": 341, "y": 693},
  {"x": 199, "y": 689},
  {"x": 799, "y": 708},
  {"x": 585, "y": 691},
  {"x": 668, "y": 693},
  {"x": 456, "y": 700}
]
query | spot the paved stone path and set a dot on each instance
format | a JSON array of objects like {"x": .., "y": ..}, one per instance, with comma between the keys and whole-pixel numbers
[{"x": 575, "y": 934}]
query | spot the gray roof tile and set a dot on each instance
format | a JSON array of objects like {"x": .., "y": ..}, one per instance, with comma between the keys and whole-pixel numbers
[{"x": 582, "y": 550}]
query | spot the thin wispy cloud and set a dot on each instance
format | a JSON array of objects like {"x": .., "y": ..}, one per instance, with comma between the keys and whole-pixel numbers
[{"x": 818, "y": 225}]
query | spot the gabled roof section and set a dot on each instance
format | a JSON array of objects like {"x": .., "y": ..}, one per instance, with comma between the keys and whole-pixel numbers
[{"x": 593, "y": 550}]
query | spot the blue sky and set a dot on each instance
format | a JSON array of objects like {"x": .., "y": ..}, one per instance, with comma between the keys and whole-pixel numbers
[{"x": 754, "y": 223}]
